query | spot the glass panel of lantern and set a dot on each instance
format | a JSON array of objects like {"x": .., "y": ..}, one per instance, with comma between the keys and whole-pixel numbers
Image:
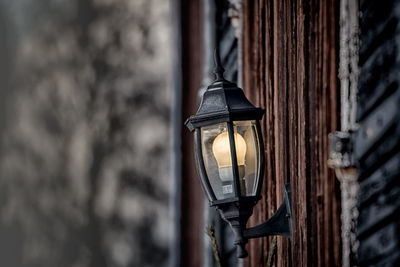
[
  {"x": 249, "y": 171},
  {"x": 221, "y": 180},
  {"x": 218, "y": 161}
]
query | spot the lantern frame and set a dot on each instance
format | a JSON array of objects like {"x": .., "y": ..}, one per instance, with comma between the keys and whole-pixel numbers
[
  {"x": 205, "y": 181},
  {"x": 224, "y": 102}
]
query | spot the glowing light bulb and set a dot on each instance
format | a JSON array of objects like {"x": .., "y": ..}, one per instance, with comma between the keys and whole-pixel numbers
[{"x": 222, "y": 153}]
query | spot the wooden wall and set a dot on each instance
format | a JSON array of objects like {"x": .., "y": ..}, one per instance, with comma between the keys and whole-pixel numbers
[
  {"x": 191, "y": 220},
  {"x": 290, "y": 69}
]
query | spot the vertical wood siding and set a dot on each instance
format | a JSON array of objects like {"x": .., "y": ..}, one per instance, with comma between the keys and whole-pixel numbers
[
  {"x": 290, "y": 69},
  {"x": 191, "y": 228}
]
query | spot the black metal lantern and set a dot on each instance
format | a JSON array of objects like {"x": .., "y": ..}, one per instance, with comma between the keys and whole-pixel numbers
[{"x": 229, "y": 157}]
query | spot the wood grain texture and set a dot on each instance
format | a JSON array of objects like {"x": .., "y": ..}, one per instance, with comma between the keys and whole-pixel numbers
[
  {"x": 290, "y": 69},
  {"x": 191, "y": 226}
]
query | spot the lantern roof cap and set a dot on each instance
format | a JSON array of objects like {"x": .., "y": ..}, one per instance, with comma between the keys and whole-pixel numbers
[{"x": 223, "y": 101}]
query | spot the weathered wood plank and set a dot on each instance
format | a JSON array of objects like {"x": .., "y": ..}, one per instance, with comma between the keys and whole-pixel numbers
[
  {"x": 290, "y": 60},
  {"x": 191, "y": 227}
]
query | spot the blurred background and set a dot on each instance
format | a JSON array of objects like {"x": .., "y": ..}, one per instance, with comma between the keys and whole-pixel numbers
[
  {"x": 96, "y": 166},
  {"x": 85, "y": 150}
]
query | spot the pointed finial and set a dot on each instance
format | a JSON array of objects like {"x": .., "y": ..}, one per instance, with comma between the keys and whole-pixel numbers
[{"x": 219, "y": 70}]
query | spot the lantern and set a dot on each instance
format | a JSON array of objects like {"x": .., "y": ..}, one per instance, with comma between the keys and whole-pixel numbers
[{"x": 229, "y": 155}]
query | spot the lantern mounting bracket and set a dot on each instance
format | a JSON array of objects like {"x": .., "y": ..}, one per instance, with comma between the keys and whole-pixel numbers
[{"x": 279, "y": 224}]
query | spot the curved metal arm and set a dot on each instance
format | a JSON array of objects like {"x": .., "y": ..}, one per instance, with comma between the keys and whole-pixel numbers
[{"x": 279, "y": 224}]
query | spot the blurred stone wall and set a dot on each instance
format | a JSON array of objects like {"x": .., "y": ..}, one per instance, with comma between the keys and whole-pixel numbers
[{"x": 85, "y": 100}]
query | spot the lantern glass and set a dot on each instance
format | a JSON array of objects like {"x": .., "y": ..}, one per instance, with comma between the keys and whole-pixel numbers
[
  {"x": 217, "y": 167},
  {"x": 217, "y": 158},
  {"x": 248, "y": 169}
]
